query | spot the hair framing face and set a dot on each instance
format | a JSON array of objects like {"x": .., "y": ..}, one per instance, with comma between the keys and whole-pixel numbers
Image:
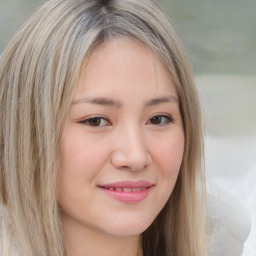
[{"x": 39, "y": 73}]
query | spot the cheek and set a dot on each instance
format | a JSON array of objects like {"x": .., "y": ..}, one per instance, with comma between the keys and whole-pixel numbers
[
  {"x": 81, "y": 159},
  {"x": 169, "y": 155},
  {"x": 81, "y": 155}
]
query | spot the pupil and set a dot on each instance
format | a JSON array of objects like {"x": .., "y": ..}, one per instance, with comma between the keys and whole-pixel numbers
[
  {"x": 156, "y": 120},
  {"x": 94, "y": 122}
]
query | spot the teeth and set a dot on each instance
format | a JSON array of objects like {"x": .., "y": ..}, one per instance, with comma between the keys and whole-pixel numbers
[
  {"x": 127, "y": 189},
  {"x": 137, "y": 189}
]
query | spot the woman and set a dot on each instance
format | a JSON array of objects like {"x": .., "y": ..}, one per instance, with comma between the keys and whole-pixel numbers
[{"x": 101, "y": 134}]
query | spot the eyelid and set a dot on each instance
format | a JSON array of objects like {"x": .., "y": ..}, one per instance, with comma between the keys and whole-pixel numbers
[
  {"x": 85, "y": 120},
  {"x": 162, "y": 114},
  {"x": 165, "y": 115}
]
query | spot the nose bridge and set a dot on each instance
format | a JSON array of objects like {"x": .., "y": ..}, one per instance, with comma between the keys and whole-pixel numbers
[
  {"x": 134, "y": 140},
  {"x": 131, "y": 148}
]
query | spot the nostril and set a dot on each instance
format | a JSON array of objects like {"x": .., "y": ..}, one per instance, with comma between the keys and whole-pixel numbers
[{"x": 125, "y": 167}]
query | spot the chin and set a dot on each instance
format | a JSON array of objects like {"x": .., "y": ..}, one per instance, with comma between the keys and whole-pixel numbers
[{"x": 133, "y": 227}]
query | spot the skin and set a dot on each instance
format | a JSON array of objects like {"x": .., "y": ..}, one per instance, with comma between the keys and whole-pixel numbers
[{"x": 127, "y": 136}]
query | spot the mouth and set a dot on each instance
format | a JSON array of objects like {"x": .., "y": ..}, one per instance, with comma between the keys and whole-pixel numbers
[
  {"x": 124, "y": 189},
  {"x": 128, "y": 191}
]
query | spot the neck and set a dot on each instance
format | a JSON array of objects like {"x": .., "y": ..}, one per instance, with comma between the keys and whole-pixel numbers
[{"x": 81, "y": 241}]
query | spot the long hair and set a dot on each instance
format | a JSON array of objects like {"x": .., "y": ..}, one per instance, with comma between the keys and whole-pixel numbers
[{"x": 38, "y": 77}]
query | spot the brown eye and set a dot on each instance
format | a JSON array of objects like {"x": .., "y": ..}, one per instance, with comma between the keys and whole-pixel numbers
[
  {"x": 95, "y": 122},
  {"x": 160, "y": 120},
  {"x": 156, "y": 120}
]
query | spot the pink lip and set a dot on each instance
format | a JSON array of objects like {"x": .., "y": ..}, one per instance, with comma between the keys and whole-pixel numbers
[{"x": 128, "y": 191}]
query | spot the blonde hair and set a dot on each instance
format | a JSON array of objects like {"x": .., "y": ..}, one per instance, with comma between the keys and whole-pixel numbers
[{"x": 39, "y": 72}]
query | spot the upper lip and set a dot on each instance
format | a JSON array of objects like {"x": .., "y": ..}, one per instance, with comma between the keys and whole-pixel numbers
[{"x": 128, "y": 184}]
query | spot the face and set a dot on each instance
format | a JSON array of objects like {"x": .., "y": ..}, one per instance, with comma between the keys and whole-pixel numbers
[{"x": 122, "y": 145}]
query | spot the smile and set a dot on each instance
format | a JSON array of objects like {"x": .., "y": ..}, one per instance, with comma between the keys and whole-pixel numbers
[{"x": 128, "y": 191}]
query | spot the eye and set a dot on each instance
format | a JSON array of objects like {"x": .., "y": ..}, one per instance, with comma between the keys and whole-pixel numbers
[
  {"x": 95, "y": 121},
  {"x": 160, "y": 120}
]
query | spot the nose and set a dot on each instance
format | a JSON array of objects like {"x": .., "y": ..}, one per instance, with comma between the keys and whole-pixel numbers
[{"x": 131, "y": 152}]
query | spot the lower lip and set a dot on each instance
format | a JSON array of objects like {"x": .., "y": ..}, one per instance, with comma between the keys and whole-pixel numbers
[{"x": 128, "y": 197}]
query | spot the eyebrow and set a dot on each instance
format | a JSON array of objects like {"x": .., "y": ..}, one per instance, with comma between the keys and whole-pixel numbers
[
  {"x": 161, "y": 100},
  {"x": 99, "y": 101},
  {"x": 115, "y": 103}
]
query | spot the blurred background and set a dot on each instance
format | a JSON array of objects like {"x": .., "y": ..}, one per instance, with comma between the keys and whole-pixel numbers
[{"x": 220, "y": 39}]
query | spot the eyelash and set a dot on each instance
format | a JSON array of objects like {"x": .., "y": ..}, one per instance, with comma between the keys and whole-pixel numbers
[
  {"x": 168, "y": 119},
  {"x": 98, "y": 119},
  {"x": 95, "y": 118}
]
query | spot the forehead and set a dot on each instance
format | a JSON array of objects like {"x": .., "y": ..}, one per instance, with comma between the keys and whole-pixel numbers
[{"x": 123, "y": 63}]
